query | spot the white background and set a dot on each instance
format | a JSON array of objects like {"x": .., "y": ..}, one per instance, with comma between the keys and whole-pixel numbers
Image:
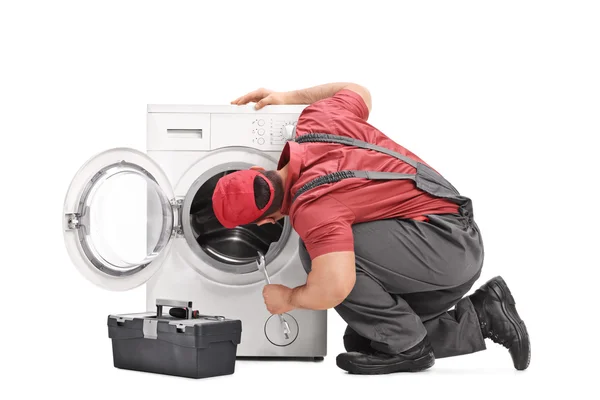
[{"x": 502, "y": 97}]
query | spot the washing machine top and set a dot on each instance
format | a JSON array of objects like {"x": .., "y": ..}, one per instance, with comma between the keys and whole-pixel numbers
[{"x": 225, "y": 109}]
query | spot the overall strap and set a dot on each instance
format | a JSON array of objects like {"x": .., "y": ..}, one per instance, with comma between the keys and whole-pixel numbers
[
  {"x": 340, "y": 175},
  {"x": 348, "y": 141},
  {"x": 425, "y": 178}
]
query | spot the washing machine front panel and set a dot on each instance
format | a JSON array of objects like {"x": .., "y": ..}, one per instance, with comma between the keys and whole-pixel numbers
[
  {"x": 234, "y": 288},
  {"x": 119, "y": 220}
]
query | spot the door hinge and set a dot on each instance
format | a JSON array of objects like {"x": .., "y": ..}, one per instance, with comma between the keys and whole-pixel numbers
[
  {"x": 73, "y": 221},
  {"x": 177, "y": 205}
]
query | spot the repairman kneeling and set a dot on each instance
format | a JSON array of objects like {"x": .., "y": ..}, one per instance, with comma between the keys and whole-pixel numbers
[{"x": 385, "y": 239}]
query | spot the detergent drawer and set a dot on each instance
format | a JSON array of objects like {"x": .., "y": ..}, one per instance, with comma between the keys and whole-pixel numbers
[
  {"x": 195, "y": 347},
  {"x": 178, "y": 131}
]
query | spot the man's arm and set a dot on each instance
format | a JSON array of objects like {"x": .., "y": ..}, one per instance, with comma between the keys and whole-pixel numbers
[
  {"x": 331, "y": 280},
  {"x": 316, "y": 93},
  {"x": 264, "y": 97}
]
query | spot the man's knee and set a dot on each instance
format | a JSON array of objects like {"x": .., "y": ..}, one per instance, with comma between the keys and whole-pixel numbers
[{"x": 304, "y": 256}]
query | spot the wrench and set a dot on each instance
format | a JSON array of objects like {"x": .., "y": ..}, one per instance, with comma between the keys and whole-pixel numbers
[{"x": 261, "y": 267}]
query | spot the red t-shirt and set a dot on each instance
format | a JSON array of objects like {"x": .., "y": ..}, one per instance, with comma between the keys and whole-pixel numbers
[{"x": 323, "y": 217}]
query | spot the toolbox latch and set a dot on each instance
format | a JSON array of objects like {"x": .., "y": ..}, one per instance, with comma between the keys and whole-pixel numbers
[{"x": 150, "y": 328}]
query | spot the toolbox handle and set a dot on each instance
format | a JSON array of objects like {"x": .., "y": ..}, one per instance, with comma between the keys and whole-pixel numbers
[{"x": 186, "y": 305}]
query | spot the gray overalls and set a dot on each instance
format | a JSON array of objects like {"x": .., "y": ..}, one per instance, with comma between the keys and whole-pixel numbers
[{"x": 410, "y": 273}]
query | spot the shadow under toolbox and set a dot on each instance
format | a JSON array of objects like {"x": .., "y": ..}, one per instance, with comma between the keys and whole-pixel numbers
[{"x": 195, "y": 346}]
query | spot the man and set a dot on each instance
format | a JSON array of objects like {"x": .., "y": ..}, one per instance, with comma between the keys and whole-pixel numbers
[{"x": 385, "y": 239}]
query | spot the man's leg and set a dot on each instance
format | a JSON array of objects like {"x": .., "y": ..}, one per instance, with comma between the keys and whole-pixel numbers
[
  {"x": 354, "y": 342},
  {"x": 383, "y": 322},
  {"x": 387, "y": 321},
  {"x": 491, "y": 308},
  {"x": 426, "y": 268},
  {"x": 409, "y": 272},
  {"x": 395, "y": 258},
  {"x": 433, "y": 266},
  {"x": 451, "y": 332}
]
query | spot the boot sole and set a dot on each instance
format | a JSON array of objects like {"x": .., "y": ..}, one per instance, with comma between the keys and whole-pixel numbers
[
  {"x": 503, "y": 292},
  {"x": 420, "y": 364}
]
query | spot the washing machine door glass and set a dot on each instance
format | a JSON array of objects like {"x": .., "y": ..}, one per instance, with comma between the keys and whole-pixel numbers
[{"x": 119, "y": 219}]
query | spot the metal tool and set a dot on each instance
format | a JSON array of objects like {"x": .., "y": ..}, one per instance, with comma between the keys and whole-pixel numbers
[{"x": 260, "y": 262}]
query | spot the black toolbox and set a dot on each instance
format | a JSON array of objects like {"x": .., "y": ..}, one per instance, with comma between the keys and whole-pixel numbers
[{"x": 195, "y": 346}]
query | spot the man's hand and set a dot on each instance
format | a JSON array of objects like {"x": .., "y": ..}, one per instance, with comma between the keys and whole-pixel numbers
[
  {"x": 263, "y": 97},
  {"x": 278, "y": 298}
]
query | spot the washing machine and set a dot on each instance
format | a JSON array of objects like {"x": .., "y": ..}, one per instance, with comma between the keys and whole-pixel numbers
[{"x": 133, "y": 218}]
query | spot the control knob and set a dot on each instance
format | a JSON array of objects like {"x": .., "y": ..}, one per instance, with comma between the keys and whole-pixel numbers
[{"x": 288, "y": 132}]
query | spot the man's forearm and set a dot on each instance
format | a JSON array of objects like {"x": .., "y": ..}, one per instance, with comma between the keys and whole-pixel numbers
[
  {"x": 316, "y": 93},
  {"x": 323, "y": 290},
  {"x": 311, "y": 298},
  {"x": 329, "y": 282}
]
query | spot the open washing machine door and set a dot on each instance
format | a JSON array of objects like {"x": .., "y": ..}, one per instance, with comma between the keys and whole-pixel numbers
[{"x": 120, "y": 217}]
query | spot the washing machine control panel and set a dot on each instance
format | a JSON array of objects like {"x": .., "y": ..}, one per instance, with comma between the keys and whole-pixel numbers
[
  {"x": 274, "y": 130},
  {"x": 267, "y": 132}
]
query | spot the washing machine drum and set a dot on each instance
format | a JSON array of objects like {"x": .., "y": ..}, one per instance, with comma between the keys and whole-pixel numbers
[{"x": 237, "y": 246}]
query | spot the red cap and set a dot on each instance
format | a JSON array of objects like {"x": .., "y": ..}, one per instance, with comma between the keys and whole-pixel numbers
[{"x": 233, "y": 199}]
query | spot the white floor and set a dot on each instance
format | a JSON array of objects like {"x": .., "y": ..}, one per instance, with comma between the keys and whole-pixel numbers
[{"x": 85, "y": 369}]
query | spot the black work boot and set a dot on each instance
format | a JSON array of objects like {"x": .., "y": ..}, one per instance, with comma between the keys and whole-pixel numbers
[
  {"x": 499, "y": 320},
  {"x": 416, "y": 359}
]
